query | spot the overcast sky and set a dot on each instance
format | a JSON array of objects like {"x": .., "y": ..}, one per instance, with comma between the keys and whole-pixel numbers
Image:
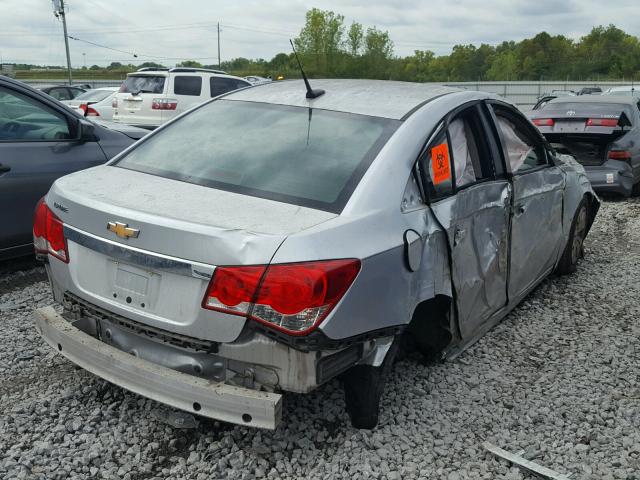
[{"x": 172, "y": 31}]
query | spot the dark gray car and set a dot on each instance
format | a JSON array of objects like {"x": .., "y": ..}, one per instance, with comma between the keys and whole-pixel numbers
[
  {"x": 40, "y": 141},
  {"x": 602, "y": 133}
]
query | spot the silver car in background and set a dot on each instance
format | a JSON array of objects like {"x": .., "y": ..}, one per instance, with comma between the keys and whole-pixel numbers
[
  {"x": 266, "y": 242},
  {"x": 602, "y": 133}
]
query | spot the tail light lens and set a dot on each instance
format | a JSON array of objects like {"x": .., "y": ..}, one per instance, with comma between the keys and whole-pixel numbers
[
  {"x": 619, "y": 155},
  {"x": 544, "y": 122},
  {"x": 293, "y": 298},
  {"x": 91, "y": 112},
  {"x": 114, "y": 102},
  {"x": 602, "y": 122},
  {"x": 83, "y": 107},
  {"x": 48, "y": 233},
  {"x": 164, "y": 104}
]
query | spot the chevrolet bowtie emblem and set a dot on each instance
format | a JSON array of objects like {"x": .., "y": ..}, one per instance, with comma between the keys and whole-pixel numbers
[{"x": 122, "y": 230}]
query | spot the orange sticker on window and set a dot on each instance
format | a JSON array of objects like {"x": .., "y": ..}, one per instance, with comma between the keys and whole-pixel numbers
[{"x": 440, "y": 163}]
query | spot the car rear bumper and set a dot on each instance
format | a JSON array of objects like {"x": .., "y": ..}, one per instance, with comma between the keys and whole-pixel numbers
[
  {"x": 611, "y": 177},
  {"x": 204, "y": 397}
]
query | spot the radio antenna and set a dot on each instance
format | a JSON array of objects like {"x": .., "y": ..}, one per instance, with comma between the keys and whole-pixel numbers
[{"x": 311, "y": 93}]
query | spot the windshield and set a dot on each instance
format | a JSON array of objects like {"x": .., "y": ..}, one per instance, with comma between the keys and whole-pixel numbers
[
  {"x": 143, "y": 83},
  {"x": 298, "y": 155},
  {"x": 94, "y": 95}
]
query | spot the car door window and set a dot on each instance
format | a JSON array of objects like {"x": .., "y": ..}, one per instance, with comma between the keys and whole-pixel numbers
[
  {"x": 74, "y": 92},
  {"x": 186, "y": 85},
  {"x": 522, "y": 149},
  {"x": 23, "y": 119},
  {"x": 220, "y": 85},
  {"x": 458, "y": 156},
  {"x": 60, "y": 93}
]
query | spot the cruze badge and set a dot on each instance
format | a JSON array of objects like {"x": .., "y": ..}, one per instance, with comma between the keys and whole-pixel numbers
[{"x": 123, "y": 230}]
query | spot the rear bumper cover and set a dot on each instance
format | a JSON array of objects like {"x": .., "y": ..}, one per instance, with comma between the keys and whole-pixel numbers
[
  {"x": 187, "y": 392},
  {"x": 612, "y": 176}
]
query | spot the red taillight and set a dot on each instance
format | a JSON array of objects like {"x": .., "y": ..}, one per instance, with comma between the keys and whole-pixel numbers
[
  {"x": 602, "y": 122},
  {"x": 91, "y": 112},
  {"x": 164, "y": 104},
  {"x": 619, "y": 155},
  {"x": 48, "y": 233},
  {"x": 83, "y": 107},
  {"x": 544, "y": 122},
  {"x": 293, "y": 298}
]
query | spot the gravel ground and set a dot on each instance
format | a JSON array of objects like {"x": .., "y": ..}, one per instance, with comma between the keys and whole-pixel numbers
[{"x": 558, "y": 378}]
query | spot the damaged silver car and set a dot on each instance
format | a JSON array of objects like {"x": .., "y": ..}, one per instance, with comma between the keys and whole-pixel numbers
[{"x": 267, "y": 242}]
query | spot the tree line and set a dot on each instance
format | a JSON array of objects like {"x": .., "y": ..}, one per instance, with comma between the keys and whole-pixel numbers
[{"x": 328, "y": 47}]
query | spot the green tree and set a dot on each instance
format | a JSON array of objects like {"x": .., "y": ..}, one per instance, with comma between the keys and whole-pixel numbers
[
  {"x": 355, "y": 37},
  {"x": 378, "y": 53},
  {"x": 320, "y": 41},
  {"x": 190, "y": 64}
]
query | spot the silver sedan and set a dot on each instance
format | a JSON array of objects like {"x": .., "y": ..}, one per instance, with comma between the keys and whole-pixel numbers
[{"x": 266, "y": 242}]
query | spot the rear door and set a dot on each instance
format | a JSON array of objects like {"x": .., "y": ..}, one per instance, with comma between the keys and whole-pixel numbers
[
  {"x": 135, "y": 100},
  {"x": 470, "y": 196},
  {"x": 538, "y": 190},
  {"x": 37, "y": 146}
]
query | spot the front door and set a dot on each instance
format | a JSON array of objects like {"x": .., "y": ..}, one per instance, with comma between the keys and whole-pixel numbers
[
  {"x": 470, "y": 197},
  {"x": 538, "y": 189},
  {"x": 35, "y": 149}
]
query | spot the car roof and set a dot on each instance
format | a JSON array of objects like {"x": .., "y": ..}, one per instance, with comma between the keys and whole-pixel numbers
[
  {"x": 595, "y": 99},
  {"x": 376, "y": 98}
]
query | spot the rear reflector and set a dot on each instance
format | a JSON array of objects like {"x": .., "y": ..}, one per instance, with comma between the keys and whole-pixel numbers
[
  {"x": 164, "y": 104},
  {"x": 293, "y": 298},
  {"x": 544, "y": 122},
  {"x": 602, "y": 122},
  {"x": 619, "y": 155},
  {"x": 48, "y": 233}
]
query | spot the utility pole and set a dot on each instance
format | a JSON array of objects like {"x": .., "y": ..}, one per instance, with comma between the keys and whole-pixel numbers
[
  {"x": 58, "y": 11},
  {"x": 219, "y": 66}
]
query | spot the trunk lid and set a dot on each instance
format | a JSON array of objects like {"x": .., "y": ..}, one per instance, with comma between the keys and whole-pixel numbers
[{"x": 159, "y": 277}]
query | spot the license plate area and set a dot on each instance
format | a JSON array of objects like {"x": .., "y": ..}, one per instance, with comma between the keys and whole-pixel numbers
[
  {"x": 569, "y": 126},
  {"x": 134, "y": 286}
]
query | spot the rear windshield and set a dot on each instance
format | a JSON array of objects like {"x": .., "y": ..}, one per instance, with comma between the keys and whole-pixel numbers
[
  {"x": 143, "y": 84},
  {"x": 297, "y": 155},
  {"x": 94, "y": 95}
]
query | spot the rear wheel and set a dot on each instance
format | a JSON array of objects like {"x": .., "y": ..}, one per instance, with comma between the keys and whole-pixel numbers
[
  {"x": 574, "y": 250},
  {"x": 363, "y": 388}
]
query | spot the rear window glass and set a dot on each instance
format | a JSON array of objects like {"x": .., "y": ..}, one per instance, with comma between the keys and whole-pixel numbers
[
  {"x": 143, "y": 84},
  {"x": 94, "y": 95},
  {"x": 183, "y": 85},
  {"x": 297, "y": 155},
  {"x": 220, "y": 85}
]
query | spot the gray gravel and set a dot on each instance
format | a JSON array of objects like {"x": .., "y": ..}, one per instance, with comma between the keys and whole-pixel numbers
[{"x": 558, "y": 379}]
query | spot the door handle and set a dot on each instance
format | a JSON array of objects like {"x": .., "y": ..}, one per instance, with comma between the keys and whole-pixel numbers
[
  {"x": 4, "y": 168},
  {"x": 520, "y": 209}
]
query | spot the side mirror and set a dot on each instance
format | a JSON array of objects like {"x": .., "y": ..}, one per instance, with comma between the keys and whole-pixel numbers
[{"x": 86, "y": 131}]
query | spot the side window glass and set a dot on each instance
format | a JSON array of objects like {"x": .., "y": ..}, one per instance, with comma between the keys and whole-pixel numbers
[
  {"x": 218, "y": 86},
  {"x": 60, "y": 93},
  {"x": 186, "y": 85},
  {"x": 436, "y": 168},
  {"x": 24, "y": 119},
  {"x": 523, "y": 152}
]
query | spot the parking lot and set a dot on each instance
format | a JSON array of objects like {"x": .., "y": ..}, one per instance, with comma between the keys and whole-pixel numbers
[{"x": 556, "y": 379}]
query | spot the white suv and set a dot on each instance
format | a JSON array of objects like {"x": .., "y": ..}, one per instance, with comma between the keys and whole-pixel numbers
[{"x": 150, "y": 97}]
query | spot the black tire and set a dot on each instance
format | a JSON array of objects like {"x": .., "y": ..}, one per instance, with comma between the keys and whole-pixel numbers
[
  {"x": 635, "y": 191},
  {"x": 574, "y": 250},
  {"x": 363, "y": 387}
]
